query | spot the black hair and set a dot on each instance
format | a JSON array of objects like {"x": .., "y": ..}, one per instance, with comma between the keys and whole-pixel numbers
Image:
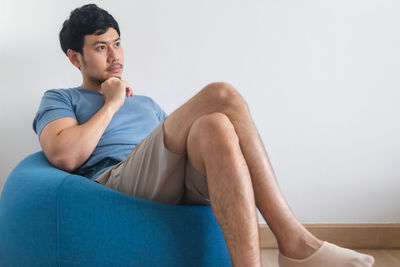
[{"x": 88, "y": 19}]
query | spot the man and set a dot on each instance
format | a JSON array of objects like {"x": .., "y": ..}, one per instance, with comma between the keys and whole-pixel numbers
[{"x": 207, "y": 152}]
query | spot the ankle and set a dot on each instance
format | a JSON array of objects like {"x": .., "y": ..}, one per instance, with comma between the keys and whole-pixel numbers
[{"x": 298, "y": 244}]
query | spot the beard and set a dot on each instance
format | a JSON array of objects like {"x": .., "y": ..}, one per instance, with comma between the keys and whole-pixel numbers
[
  {"x": 99, "y": 80},
  {"x": 96, "y": 80}
]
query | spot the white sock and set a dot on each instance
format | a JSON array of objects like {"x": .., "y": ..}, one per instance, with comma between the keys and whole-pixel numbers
[{"x": 329, "y": 255}]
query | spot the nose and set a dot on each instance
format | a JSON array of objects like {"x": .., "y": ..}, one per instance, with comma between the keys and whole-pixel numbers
[{"x": 112, "y": 55}]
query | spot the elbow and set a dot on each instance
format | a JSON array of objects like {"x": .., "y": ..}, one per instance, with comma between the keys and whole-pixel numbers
[{"x": 65, "y": 164}]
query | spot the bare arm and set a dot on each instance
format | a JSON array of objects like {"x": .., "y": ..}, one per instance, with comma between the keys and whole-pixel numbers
[{"x": 68, "y": 145}]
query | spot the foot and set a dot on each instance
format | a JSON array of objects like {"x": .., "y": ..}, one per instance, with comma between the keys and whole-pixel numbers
[
  {"x": 311, "y": 252},
  {"x": 300, "y": 244}
]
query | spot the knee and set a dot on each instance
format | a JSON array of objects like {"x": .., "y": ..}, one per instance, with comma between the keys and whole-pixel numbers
[
  {"x": 213, "y": 131},
  {"x": 226, "y": 96}
]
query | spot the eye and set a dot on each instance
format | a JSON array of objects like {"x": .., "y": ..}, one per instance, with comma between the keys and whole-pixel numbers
[
  {"x": 117, "y": 44},
  {"x": 101, "y": 47}
]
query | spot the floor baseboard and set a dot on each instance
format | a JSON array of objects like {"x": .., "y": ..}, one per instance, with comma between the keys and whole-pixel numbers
[{"x": 364, "y": 236}]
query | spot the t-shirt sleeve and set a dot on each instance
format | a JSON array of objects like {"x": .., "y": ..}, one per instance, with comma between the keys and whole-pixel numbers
[
  {"x": 161, "y": 114},
  {"x": 55, "y": 104}
]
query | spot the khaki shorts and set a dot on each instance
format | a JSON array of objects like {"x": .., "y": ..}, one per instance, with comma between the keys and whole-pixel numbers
[{"x": 152, "y": 172}]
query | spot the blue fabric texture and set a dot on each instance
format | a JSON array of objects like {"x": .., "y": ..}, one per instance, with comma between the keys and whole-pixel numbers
[
  {"x": 49, "y": 217},
  {"x": 138, "y": 116}
]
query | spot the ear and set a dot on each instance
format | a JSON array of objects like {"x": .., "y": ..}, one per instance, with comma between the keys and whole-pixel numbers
[{"x": 75, "y": 58}]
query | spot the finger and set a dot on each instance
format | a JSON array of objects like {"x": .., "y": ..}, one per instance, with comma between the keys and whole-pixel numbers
[
  {"x": 126, "y": 88},
  {"x": 130, "y": 90},
  {"x": 127, "y": 92}
]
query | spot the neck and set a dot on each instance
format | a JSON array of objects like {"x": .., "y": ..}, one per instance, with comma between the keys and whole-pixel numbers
[{"x": 91, "y": 85}]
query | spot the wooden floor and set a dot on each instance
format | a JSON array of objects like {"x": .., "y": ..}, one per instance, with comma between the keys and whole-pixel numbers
[{"x": 383, "y": 257}]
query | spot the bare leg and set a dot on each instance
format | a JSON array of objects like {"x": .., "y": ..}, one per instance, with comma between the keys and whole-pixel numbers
[
  {"x": 213, "y": 149},
  {"x": 221, "y": 97},
  {"x": 293, "y": 239}
]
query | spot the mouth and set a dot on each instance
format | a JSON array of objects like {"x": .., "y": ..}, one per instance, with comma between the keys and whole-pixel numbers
[{"x": 115, "y": 68}]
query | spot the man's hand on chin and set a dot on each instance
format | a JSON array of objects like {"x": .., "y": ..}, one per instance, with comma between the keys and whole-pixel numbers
[{"x": 114, "y": 91}]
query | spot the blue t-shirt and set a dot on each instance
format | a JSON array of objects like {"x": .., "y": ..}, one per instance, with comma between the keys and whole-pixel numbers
[{"x": 138, "y": 116}]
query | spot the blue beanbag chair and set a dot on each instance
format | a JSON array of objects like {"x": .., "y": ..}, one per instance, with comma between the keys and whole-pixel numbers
[{"x": 49, "y": 217}]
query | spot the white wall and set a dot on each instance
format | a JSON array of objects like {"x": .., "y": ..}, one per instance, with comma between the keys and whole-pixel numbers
[{"x": 321, "y": 79}]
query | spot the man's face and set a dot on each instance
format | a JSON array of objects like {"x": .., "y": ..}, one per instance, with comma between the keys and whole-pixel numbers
[{"x": 103, "y": 56}]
